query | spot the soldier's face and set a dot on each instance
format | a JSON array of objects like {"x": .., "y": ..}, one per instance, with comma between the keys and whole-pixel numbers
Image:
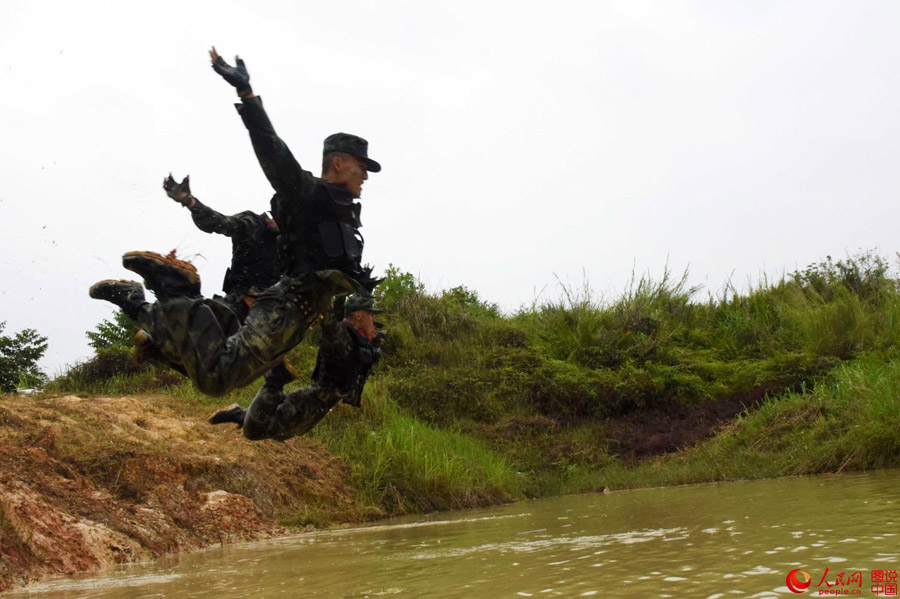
[
  {"x": 351, "y": 172},
  {"x": 365, "y": 322}
]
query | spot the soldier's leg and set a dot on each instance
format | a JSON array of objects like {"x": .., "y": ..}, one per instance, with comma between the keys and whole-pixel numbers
[
  {"x": 275, "y": 414},
  {"x": 189, "y": 333},
  {"x": 235, "y": 301},
  {"x": 128, "y": 296},
  {"x": 261, "y": 418},
  {"x": 305, "y": 410},
  {"x": 201, "y": 337}
]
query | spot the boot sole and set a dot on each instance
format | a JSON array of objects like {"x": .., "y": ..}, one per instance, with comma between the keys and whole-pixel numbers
[
  {"x": 152, "y": 264},
  {"x": 96, "y": 290}
]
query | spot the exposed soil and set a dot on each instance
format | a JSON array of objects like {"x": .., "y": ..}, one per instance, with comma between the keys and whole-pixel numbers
[
  {"x": 89, "y": 483},
  {"x": 674, "y": 427},
  {"x": 631, "y": 437}
]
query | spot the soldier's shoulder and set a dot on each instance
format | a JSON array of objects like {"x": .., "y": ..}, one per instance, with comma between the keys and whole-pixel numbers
[{"x": 336, "y": 193}]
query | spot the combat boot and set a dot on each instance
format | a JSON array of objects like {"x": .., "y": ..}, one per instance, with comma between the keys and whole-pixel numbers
[
  {"x": 233, "y": 413},
  {"x": 166, "y": 276},
  {"x": 127, "y": 295},
  {"x": 281, "y": 375}
]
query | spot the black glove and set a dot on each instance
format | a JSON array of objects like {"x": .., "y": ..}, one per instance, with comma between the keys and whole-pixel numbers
[
  {"x": 180, "y": 192},
  {"x": 235, "y": 75},
  {"x": 368, "y": 282}
]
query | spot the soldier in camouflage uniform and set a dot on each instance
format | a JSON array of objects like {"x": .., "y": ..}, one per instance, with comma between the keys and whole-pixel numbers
[
  {"x": 253, "y": 267},
  {"x": 348, "y": 351},
  {"x": 319, "y": 252}
]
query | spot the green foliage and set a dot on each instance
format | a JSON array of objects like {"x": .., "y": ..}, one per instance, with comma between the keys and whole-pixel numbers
[
  {"x": 639, "y": 327},
  {"x": 404, "y": 465},
  {"x": 115, "y": 334},
  {"x": 451, "y": 357},
  {"x": 19, "y": 355},
  {"x": 113, "y": 371},
  {"x": 397, "y": 287},
  {"x": 454, "y": 361},
  {"x": 864, "y": 275},
  {"x": 443, "y": 395},
  {"x": 848, "y": 421}
]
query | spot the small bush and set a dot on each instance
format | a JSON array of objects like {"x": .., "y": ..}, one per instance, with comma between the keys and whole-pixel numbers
[{"x": 113, "y": 371}]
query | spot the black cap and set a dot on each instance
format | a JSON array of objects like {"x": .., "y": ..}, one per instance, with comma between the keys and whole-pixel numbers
[
  {"x": 355, "y": 303},
  {"x": 353, "y": 145}
]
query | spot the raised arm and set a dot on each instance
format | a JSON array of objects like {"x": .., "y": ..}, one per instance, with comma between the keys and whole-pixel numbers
[
  {"x": 280, "y": 167},
  {"x": 207, "y": 219}
]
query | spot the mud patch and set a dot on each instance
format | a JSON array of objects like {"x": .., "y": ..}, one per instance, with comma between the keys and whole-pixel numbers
[{"x": 675, "y": 427}]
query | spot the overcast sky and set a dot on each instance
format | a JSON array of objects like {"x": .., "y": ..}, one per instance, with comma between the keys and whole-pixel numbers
[{"x": 521, "y": 142}]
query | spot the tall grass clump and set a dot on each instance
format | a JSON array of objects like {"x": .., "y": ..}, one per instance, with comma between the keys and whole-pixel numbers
[
  {"x": 113, "y": 372},
  {"x": 657, "y": 345},
  {"x": 442, "y": 359},
  {"x": 583, "y": 330},
  {"x": 404, "y": 465}
]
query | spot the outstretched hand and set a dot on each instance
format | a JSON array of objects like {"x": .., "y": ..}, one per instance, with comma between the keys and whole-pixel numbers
[
  {"x": 236, "y": 75},
  {"x": 368, "y": 282},
  {"x": 180, "y": 192}
]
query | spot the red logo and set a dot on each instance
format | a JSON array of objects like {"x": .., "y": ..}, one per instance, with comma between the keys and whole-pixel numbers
[{"x": 794, "y": 584}]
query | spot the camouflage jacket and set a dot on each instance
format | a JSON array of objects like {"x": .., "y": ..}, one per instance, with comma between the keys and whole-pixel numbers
[
  {"x": 345, "y": 360},
  {"x": 318, "y": 221},
  {"x": 253, "y": 247}
]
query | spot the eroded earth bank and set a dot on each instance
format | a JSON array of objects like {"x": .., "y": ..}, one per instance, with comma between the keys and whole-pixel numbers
[{"x": 88, "y": 483}]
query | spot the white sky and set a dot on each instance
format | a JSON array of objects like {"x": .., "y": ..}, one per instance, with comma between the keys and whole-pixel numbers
[{"x": 521, "y": 141}]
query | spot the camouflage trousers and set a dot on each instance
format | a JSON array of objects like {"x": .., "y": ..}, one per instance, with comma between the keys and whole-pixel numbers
[
  {"x": 235, "y": 301},
  {"x": 275, "y": 414},
  {"x": 216, "y": 351}
]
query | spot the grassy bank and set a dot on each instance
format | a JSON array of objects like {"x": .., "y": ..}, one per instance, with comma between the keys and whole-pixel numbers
[
  {"x": 660, "y": 386},
  {"x": 848, "y": 421}
]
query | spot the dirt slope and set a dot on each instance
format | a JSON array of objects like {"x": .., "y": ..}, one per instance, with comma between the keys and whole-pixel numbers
[{"x": 88, "y": 483}]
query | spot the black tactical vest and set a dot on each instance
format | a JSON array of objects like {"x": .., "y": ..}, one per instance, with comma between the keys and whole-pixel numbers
[
  {"x": 253, "y": 260},
  {"x": 348, "y": 374},
  {"x": 319, "y": 233}
]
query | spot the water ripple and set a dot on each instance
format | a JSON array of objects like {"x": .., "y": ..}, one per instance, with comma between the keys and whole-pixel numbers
[{"x": 579, "y": 543}]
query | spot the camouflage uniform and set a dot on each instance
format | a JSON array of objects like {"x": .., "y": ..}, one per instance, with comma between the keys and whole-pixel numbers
[
  {"x": 253, "y": 253},
  {"x": 319, "y": 251},
  {"x": 344, "y": 363},
  {"x": 318, "y": 222},
  {"x": 217, "y": 352}
]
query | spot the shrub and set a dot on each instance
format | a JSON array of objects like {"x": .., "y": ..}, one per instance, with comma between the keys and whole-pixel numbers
[{"x": 19, "y": 356}]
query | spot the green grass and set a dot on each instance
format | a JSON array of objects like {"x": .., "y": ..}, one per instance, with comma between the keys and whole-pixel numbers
[
  {"x": 846, "y": 422},
  {"x": 405, "y": 465}
]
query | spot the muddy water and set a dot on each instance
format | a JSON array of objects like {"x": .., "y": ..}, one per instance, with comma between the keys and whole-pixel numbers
[{"x": 710, "y": 541}]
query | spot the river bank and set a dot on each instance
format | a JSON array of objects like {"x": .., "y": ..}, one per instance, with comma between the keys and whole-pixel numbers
[
  {"x": 86, "y": 483},
  {"x": 90, "y": 482}
]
